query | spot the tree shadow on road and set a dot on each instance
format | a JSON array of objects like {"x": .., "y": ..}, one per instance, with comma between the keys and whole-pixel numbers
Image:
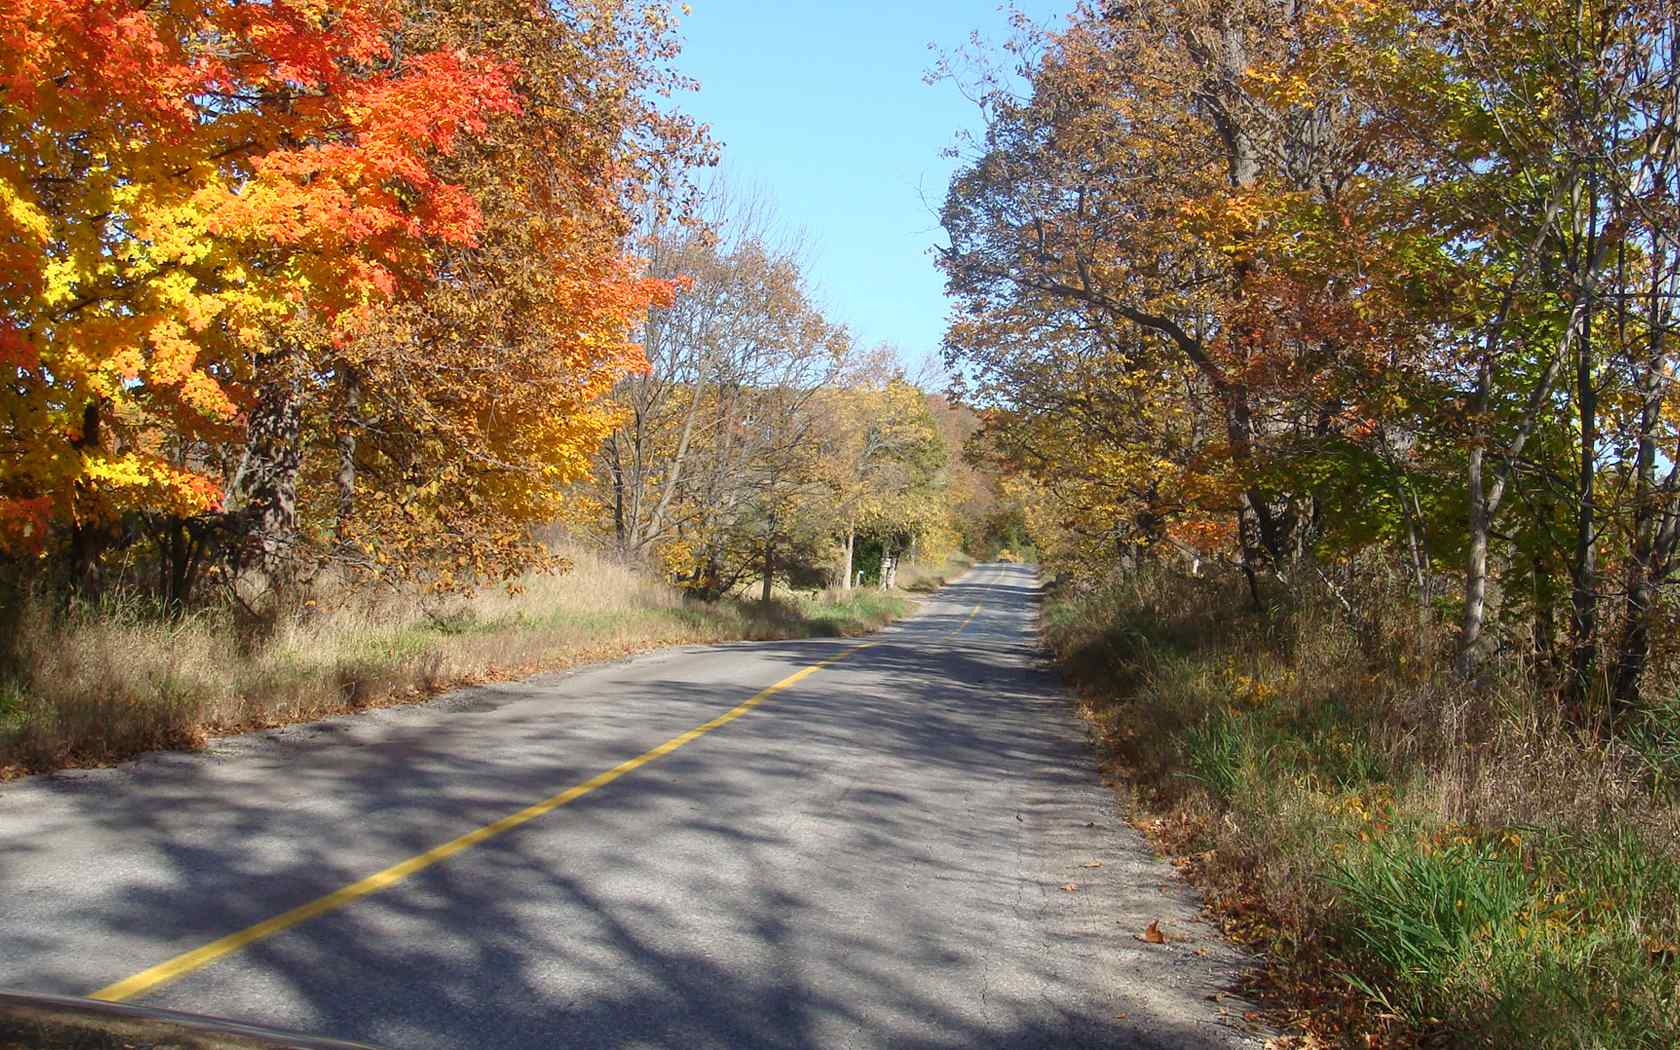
[{"x": 862, "y": 861}]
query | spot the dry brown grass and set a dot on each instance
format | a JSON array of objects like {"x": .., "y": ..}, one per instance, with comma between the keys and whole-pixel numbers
[
  {"x": 927, "y": 577},
  {"x": 1421, "y": 859},
  {"x": 106, "y": 684}
]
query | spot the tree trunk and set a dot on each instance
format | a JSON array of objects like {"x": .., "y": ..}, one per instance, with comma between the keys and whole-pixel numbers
[
  {"x": 349, "y": 422},
  {"x": 1475, "y": 568},
  {"x": 181, "y": 547},
  {"x": 1249, "y": 552},
  {"x": 1652, "y": 517},
  {"x": 1583, "y": 615},
  {"x": 1544, "y": 632},
  {"x": 649, "y": 531},
  {"x": 87, "y": 541},
  {"x": 1483, "y": 503},
  {"x": 615, "y": 470},
  {"x": 1485, "y": 499},
  {"x": 769, "y": 554},
  {"x": 851, "y": 547},
  {"x": 267, "y": 481},
  {"x": 1634, "y": 647}
]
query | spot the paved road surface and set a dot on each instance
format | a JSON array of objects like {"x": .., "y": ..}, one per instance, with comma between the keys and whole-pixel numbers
[{"x": 874, "y": 856}]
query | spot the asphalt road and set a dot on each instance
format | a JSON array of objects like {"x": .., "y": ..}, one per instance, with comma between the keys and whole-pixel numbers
[{"x": 876, "y": 855}]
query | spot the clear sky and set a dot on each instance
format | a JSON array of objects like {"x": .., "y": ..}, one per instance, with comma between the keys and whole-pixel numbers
[{"x": 822, "y": 106}]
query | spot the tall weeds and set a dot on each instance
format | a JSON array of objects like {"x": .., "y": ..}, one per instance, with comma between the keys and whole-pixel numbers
[
  {"x": 100, "y": 684},
  {"x": 1454, "y": 857}
]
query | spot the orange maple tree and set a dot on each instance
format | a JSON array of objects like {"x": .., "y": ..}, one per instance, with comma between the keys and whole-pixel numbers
[
  {"x": 370, "y": 248},
  {"x": 180, "y": 181}
]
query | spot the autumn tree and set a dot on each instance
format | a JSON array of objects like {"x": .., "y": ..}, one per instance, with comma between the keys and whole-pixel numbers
[
  {"x": 1125, "y": 216},
  {"x": 459, "y": 420},
  {"x": 1530, "y": 180},
  {"x": 713, "y": 451},
  {"x": 882, "y": 460},
  {"x": 188, "y": 188},
  {"x": 293, "y": 280},
  {"x": 1323, "y": 283}
]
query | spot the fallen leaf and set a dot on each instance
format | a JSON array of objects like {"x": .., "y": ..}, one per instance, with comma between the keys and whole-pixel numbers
[
  {"x": 1070, "y": 886},
  {"x": 1152, "y": 934},
  {"x": 1093, "y": 864}
]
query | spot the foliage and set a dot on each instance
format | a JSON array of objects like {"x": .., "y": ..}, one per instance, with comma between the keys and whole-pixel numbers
[
  {"x": 181, "y": 183},
  {"x": 1305, "y": 288},
  {"x": 761, "y": 443},
  {"x": 369, "y": 248}
]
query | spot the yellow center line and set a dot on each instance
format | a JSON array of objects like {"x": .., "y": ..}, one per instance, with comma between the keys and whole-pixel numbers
[
  {"x": 204, "y": 955},
  {"x": 962, "y": 626},
  {"x": 970, "y": 619}
]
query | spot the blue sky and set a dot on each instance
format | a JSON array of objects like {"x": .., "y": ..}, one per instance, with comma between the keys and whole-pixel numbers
[{"x": 822, "y": 107}]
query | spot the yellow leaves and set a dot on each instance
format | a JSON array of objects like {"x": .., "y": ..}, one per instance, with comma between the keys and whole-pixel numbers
[
  {"x": 678, "y": 558},
  {"x": 24, "y": 216},
  {"x": 134, "y": 480},
  {"x": 59, "y": 279},
  {"x": 1284, "y": 88},
  {"x": 205, "y": 396}
]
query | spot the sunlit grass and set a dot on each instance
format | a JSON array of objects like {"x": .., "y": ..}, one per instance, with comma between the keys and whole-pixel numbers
[
  {"x": 113, "y": 681},
  {"x": 1477, "y": 878}
]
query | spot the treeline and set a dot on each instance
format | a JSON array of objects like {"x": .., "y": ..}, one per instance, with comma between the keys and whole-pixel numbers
[
  {"x": 381, "y": 290},
  {"x": 1347, "y": 295},
  {"x": 762, "y": 442}
]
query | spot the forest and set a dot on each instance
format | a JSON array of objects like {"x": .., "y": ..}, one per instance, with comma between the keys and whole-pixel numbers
[{"x": 1317, "y": 350}]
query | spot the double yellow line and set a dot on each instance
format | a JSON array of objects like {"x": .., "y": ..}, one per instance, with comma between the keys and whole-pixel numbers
[{"x": 204, "y": 955}]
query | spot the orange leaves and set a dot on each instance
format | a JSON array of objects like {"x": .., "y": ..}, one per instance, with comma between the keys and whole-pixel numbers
[
  {"x": 16, "y": 350},
  {"x": 204, "y": 203},
  {"x": 182, "y": 181},
  {"x": 1207, "y": 536},
  {"x": 490, "y": 386},
  {"x": 24, "y": 524}
]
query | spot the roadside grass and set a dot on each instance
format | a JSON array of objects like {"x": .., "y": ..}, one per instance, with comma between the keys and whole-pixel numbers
[
  {"x": 1422, "y": 863},
  {"x": 925, "y": 579},
  {"x": 100, "y": 685}
]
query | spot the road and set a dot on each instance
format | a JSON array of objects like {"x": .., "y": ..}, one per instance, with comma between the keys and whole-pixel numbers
[{"x": 906, "y": 847}]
